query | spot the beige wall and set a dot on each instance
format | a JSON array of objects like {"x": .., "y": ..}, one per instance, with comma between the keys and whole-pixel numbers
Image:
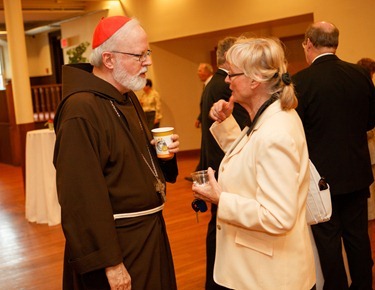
[
  {"x": 183, "y": 33},
  {"x": 38, "y": 55},
  {"x": 171, "y": 19},
  {"x": 7, "y": 69}
]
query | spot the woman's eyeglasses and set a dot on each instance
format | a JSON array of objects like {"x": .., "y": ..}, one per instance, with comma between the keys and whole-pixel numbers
[{"x": 230, "y": 76}]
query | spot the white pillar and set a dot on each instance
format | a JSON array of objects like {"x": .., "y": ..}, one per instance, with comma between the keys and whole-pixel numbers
[{"x": 18, "y": 61}]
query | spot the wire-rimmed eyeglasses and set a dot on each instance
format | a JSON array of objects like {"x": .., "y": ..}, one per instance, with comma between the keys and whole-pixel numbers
[
  {"x": 141, "y": 57},
  {"x": 230, "y": 76}
]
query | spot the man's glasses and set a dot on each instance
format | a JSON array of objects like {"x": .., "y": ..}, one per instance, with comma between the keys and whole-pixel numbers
[
  {"x": 141, "y": 57},
  {"x": 230, "y": 76}
]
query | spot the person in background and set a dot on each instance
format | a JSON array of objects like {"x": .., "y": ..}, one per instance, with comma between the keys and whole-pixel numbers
[
  {"x": 369, "y": 65},
  {"x": 262, "y": 234},
  {"x": 205, "y": 73},
  {"x": 211, "y": 153},
  {"x": 151, "y": 104},
  {"x": 336, "y": 103},
  {"x": 110, "y": 184}
]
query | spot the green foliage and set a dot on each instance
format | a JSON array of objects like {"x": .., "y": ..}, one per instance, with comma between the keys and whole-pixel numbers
[{"x": 75, "y": 54}]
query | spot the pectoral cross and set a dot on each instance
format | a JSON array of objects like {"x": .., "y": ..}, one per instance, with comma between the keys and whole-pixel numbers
[{"x": 160, "y": 188}]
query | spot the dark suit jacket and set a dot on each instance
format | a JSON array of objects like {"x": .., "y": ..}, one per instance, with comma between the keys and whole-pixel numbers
[
  {"x": 337, "y": 107},
  {"x": 216, "y": 89}
]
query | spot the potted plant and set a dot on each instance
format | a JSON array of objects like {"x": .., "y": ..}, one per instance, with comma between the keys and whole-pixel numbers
[{"x": 75, "y": 54}]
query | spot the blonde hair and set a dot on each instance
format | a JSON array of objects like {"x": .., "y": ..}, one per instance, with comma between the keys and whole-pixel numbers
[{"x": 263, "y": 59}]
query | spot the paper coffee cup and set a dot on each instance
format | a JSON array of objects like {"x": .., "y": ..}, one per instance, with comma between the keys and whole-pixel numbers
[{"x": 163, "y": 138}]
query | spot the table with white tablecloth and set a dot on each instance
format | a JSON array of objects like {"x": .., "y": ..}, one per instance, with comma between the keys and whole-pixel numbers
[{"x": 41, "y": 196}]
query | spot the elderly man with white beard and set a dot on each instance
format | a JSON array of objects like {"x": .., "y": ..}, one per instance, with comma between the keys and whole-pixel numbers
[{"x": 110, "y": 183}]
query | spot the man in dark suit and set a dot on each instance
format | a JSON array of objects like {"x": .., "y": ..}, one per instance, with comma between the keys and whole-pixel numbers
[
  {"x": 211, "y": 153},
  {"x": 204, "y": 73},
  {"x": 337, "y": 107}
]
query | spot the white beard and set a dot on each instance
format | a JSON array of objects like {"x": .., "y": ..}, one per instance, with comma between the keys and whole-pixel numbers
[{"x": 133, "y": 83}]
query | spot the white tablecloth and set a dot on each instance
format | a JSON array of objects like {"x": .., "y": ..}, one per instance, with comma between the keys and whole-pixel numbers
[{"x": 41, "y": 196}]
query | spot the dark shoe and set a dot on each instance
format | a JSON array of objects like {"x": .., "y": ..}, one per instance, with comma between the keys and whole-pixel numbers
[{"x": 188, "y": 178}]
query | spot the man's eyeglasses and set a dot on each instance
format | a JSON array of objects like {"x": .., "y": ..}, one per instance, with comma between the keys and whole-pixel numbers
[
  {"x": 141, "y": 57},
  {"x": 230, "y": 76}
]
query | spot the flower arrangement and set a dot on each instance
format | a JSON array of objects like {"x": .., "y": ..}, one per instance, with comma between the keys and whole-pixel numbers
[{"x": 49, "y": 124}]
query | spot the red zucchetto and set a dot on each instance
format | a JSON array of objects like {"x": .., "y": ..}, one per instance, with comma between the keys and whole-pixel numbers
[{"x": 106, "y": 28}]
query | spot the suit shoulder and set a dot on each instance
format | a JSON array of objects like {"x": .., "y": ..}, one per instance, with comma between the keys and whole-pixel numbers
[{"x": 301, "y": 75}]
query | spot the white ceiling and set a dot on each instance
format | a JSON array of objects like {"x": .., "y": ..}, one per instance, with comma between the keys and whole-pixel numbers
[{"x": 37, "y": 13}]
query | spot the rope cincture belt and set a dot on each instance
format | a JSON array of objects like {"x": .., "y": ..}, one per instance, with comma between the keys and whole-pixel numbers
[{"x": 138, "y": 213}]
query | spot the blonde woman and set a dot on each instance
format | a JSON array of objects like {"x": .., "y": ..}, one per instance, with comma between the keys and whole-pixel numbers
[{"x": 262, "y": 235}]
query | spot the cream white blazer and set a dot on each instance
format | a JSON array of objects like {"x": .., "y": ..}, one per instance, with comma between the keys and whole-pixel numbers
[{"x": 262, "y": 235}]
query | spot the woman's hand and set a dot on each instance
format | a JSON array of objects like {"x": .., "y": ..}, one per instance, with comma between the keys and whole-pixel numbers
[
  {"x": 221, "y": 110},
  {"x": 210, "y": 193}
]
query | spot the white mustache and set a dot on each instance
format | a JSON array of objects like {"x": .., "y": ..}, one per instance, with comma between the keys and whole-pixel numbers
[{"x": 143, "y": 71}]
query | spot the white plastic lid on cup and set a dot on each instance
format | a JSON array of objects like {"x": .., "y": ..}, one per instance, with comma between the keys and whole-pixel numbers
[{"x": 162, "y": 131}]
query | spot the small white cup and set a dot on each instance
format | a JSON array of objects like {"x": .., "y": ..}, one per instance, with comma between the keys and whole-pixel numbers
[{"x": 163, "y": 138}]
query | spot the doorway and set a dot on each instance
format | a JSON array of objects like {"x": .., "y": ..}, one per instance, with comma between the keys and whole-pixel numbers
[{"x": 57, "y": 57}]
